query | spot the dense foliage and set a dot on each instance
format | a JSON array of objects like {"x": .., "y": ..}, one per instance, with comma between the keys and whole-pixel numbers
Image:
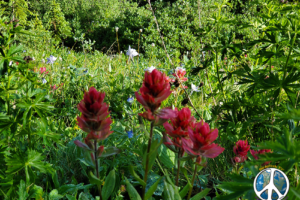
[{"x": 206, "y": 94}]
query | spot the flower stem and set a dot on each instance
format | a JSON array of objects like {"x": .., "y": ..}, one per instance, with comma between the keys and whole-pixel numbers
[
  {"x": 178, "y": 168},
  {"x": 97, "y": 169},
  {"x": 118, "y": 42},
  {"x": 191, "y": 189},
  {"x": 147, "y": 161}
]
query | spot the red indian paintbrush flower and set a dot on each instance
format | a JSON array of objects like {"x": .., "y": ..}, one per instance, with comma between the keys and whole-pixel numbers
[
  {"x": 155, "y": 89},
  {"x": 179, "y": 125},
  {"x": 241, "y": 149},
  {"x": 42, "y": 70},
  {"x": 201, "y": 140},
  {"x": 94, "y": 115},
  {"x": 256, "y": 153}
]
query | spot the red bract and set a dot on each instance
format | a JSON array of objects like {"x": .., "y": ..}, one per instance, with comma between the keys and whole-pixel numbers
[
  {"x": 241, "y": 149},
  {"x": 42, "y": 70},
  {"x": 53, "y": 87},
  {"x": 180, "y": 73},
  {"x": 179, "y": 125},
  {"x": 154, "y": 90},
  {"x": 256, "y": 153},
  {"x": 201, "y": 141},
  {"x": 94, "y": 115}
]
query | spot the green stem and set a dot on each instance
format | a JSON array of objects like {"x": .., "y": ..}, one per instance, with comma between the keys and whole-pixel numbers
[
  {"x": 178, "y": 167},
  {"x": 97, "y": 169},
  {"x": 147, "y": 160},
  {"x": 287, "y": 60},
  {"x": 118, "y": 42},
  {"x": 193, "y": 179}
]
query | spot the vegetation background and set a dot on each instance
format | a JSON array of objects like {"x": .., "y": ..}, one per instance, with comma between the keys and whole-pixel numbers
[{"x": 243, "y": 55}]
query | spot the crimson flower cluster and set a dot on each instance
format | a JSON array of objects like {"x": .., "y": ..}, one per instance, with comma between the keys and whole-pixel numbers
[
  {"x": 94, "y": 120},
  {"x": 196, "y": 139},
  {"x": 155, "y": 89},
  {"x": 241, "y": 149}
]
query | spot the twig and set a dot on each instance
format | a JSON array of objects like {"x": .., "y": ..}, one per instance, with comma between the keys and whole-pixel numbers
[{"x": 162, "y": 39}]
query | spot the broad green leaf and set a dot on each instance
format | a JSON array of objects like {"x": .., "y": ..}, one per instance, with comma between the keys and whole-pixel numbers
[
  {"x": 133, "y": 194},
  {"x": 83, "y": 196},
  {"x": 171, "y": 192},
  {"x": 134, "y": 174},
  {"x": 54, "y": 195},
  {"x": 232, "y": 196},
  {"x": 201, "y": 194},
  {"x": 109, "y": 151},
  {"x": 185, "y": 190},
  {"x": 93, "y": 179},
  {"x": 152, "y": 189},
  {"x": 70, "y": 197},
  {"x": 109, "y": 185}
]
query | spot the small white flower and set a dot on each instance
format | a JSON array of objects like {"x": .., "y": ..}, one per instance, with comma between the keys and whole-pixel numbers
[
  {"x": 51, "y": 60},
  {"x": 150, "y": 69},
  {"x": 131, "y": 53},
  {"x": 109, "y": 67},
  {"x": 141, "y": 30},
  {"x": 44, "y": 80},
  {"x": 14, "y": 107},
  {"x": 10, "y": 63},
  {"x": 33, "y": 58},
  {"x": 179, "y": 68},
  {"x": 43, "y": 60},
  {"x": 91, "y": 75},
  {"x": 195, "y": 88},
  {"x": 121, "y": 52},
  {"x": 64, "y": 68},
  {"x": 117, "y": 28},
  {"x": 60, "y": 58},
  {"x": 187, "y": 53},
  {"x": 221, "y": 103},
  {"x": 68, "y": 67},
  {"x": 153, "y": 45}
]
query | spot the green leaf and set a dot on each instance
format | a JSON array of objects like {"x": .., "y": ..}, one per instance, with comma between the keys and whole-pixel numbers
[
  {"x": 166, "y": 156},
  {"x": 185, "y": 190},
  {"x": 171, "y": 192},
  {"x": 109, "y": 151},
  {"x": 201, "y": 194},
  {"x": 133, "y": 194},
  {"x": 232, "y": 196},
  {"x": 134, "y": 174},
  {"x": 22, "y": 191},
  {"x": 69, "y": 197},
  {"x": 93, "y": 179},
  {"x": 109, "y": 185},
  {"x": 152, "y": 189},
  {"x": 83, "y": 196},
  {"x": 54, "y": 195},
  {"x": 55, "y": 179},
  {"x": 152, "y": 154}
]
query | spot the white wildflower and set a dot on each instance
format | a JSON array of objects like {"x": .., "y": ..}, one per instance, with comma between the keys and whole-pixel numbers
[
  {"x": 109, "y": 67},
  {"x": 194, "y": 88},
  {"x": 150, "y": 69},
  {"x": 51, "y": 59},
  {"x": 44, "y": 80},
  {"x": 153, "y": 45},
  {"x": 43, "y": 61},
  {"x": 141, "y": 30},
  {"x": 131, "y": 53},
  {"x": 117, "y": 28},
  {"x": 10, "y": 63}
]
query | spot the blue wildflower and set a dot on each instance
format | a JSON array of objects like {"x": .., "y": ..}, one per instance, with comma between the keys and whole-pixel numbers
[
  {"x": 130, "y": 100},
  {"x": 24, "y": 51},
  {"x": 85, "y": 71},
  {"x": 130, "y": 134}
]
